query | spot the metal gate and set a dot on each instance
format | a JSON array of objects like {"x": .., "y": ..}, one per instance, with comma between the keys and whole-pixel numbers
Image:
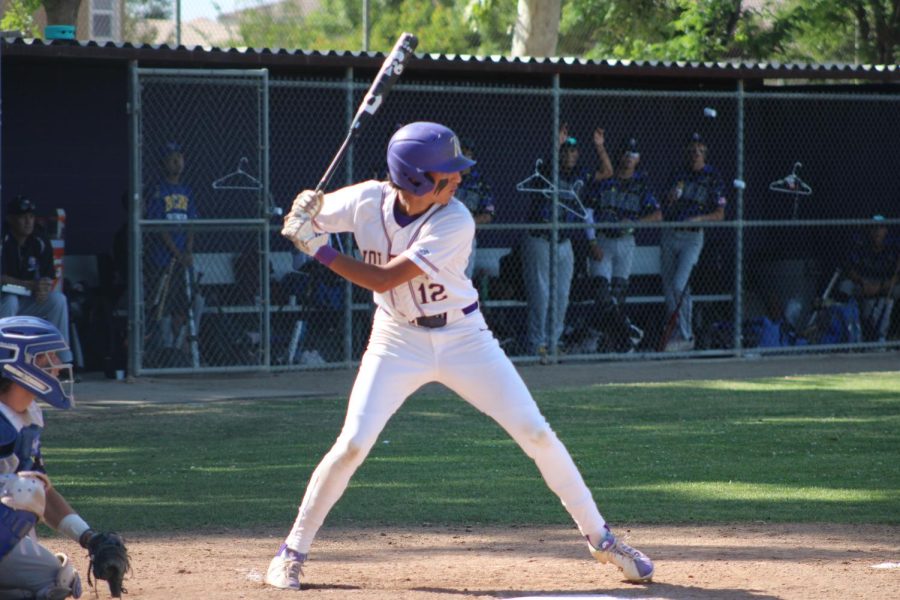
[{"x": 202, "y": 218}]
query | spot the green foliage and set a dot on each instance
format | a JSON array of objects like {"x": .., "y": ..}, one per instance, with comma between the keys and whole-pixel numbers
[
  {"x": 149, "y": 9},
  {"x": 801, "y": 449},
  {"x": 839, "y": 31},
  {"x": 137, "y": 11},
  {"x": 706, "y": 30},
  {"x": 337, "y": 25},
  {"x": 19, "y": 17}
]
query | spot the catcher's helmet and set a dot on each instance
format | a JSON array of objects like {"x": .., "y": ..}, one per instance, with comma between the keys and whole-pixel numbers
[
  {"x": 23, "y": 340},
  {"x": 420, "y": 147}
]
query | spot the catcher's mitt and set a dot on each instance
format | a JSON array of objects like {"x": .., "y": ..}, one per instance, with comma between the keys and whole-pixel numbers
[{"x": 108, "y": 560}]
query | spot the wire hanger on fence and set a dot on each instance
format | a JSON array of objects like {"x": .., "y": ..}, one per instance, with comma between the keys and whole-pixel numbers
[
  {"x": 238, "y": 180},
  {"x": 538, "y": 183},
  {"x": 792, "y": 184}
]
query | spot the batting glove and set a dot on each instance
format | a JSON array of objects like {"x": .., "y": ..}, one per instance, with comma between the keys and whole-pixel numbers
[
  {"x": 308, "y": 203},
  {"x": 300, "y": 232}
]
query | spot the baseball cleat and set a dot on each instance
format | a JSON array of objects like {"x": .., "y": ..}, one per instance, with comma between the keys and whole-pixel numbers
[
  {"x": 636, "y": 565},
  {"x": 285, "y": 569}
]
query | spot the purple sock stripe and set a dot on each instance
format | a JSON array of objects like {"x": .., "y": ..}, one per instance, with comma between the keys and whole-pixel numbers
[{"x": 286, "y": 552}]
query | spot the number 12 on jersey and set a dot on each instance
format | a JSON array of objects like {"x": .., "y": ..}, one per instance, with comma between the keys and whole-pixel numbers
[{"x": 433, "y": 292}]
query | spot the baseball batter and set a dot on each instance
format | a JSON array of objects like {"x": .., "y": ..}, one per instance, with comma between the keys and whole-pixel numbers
[{"x": 414, "y": 238}]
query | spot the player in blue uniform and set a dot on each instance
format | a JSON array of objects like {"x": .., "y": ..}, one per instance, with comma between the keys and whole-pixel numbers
[
  {"x": 872, "y": 273},
  {"x": 696, "y": 194},
  {"x": 476, "y": 194},
  {"x": 30, "y": 369},
  {"x": 573, "y": 181},
  {"x": 169, "y": 256},
  {"x": 623, "y": 197}
]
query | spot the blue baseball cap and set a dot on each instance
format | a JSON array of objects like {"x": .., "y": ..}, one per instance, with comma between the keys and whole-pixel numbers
[{"x": 170, "y": 148}]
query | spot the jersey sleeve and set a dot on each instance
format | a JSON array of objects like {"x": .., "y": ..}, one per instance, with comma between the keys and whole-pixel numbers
[
  {"x": 442, "y": 242},
  {"x": 340, "y": 207},
  {"x": 154, "y": 206}
]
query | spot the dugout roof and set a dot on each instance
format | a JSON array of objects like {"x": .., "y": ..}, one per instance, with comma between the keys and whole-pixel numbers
[{"x": 513, "y": 70}]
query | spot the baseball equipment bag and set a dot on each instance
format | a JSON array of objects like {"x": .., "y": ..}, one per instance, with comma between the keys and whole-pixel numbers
[{"x": 108, "y": 560}]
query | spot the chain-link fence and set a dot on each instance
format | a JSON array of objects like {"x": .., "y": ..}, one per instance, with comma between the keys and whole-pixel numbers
[{"x": 611, "y": 223}]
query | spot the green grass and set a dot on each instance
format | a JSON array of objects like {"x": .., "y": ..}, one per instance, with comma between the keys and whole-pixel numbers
[{"x": 823, "y": 449}]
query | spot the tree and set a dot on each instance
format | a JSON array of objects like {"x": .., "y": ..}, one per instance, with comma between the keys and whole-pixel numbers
[
  {"x": 137, "y": 12},
  {"x": 19, "y": 16},
  {"x": 536, "y": 30},
  {"x": 702, "y": 30},
  {"x": 843, "y": 30},
  {"x": 337, "y": 25},
  {"x": 62, "y": 12},
  {"x": 149, "y": 9}
]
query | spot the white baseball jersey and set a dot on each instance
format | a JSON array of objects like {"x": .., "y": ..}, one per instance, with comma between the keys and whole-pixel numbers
[{"x": 438, "y": 242}]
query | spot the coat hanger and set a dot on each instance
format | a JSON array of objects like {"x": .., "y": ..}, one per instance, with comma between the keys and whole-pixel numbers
[
  {"x": 538, "y": 183},
  {"x": 792, "y": 184},
  {"x": 238, "y": 180}
]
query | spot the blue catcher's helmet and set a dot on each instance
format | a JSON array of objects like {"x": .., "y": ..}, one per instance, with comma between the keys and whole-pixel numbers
[
  {"x": 23, "y": 340},
  {"x": 422, "y": 147}
]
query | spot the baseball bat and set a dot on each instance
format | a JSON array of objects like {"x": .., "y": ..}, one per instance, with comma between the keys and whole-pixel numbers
[{"x": 388, "y": 74}]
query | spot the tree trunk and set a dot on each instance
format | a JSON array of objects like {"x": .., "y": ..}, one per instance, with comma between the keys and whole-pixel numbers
[
  {"x": 62, "y": 12},
  {"x": 536, "y": 31}
]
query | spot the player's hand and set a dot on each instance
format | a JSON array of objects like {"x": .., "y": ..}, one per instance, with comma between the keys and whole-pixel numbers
[
  {"x": 596, "y": 252},
  {"x": 42, "y": 288},
  {"x": 307, "y": 202},
  {"x": 599, "y": 137},
  {"x": 297, "y": 227},
  {"x": 299, "y": 231},
  {"x": 563, "y": 133},
  {"x": 307, "y": 241}
]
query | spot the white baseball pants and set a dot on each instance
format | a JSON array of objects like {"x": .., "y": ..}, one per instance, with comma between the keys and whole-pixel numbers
[{"x": 464, "y": 356}]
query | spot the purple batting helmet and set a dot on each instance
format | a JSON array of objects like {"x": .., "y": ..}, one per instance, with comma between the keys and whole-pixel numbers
[{"x": 420, "y": 147}]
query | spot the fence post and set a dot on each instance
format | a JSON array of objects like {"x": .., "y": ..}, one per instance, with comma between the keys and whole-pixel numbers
[
  {"x": 553, "y": 350},
  {"x": 739, "y": 218},
  {"x": 135, "y": 310}
]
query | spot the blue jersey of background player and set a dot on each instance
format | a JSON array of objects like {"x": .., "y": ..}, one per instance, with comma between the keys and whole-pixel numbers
[
  {"x": 696, "y": 194},
  {"x": 572, "y": 179},
  {"x": 476, "y": 193},
  {"x": 172, "y": 200},
  {"x": 697, "y": 190},
  {"x": 618, "y": 200}
]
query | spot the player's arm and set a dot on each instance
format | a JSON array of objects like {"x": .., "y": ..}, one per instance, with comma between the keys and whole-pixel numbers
[
  {"x": 605, "y": 169},
  {"x": 57, "y": 508},
  {"x": 717, "y": 215},
  {"x": 377, "y": 278}
]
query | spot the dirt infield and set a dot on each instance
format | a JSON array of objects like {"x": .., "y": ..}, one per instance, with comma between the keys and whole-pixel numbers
[
  {"x": 731, "y": 562},
  {"x": 728, "y": 562}
]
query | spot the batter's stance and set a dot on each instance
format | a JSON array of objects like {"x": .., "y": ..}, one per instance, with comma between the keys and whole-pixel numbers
[{"x": 415, "y": 238}]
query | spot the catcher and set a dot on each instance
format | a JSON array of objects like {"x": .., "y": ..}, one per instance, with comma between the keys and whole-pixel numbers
[{"x": 30, "y": 369}]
